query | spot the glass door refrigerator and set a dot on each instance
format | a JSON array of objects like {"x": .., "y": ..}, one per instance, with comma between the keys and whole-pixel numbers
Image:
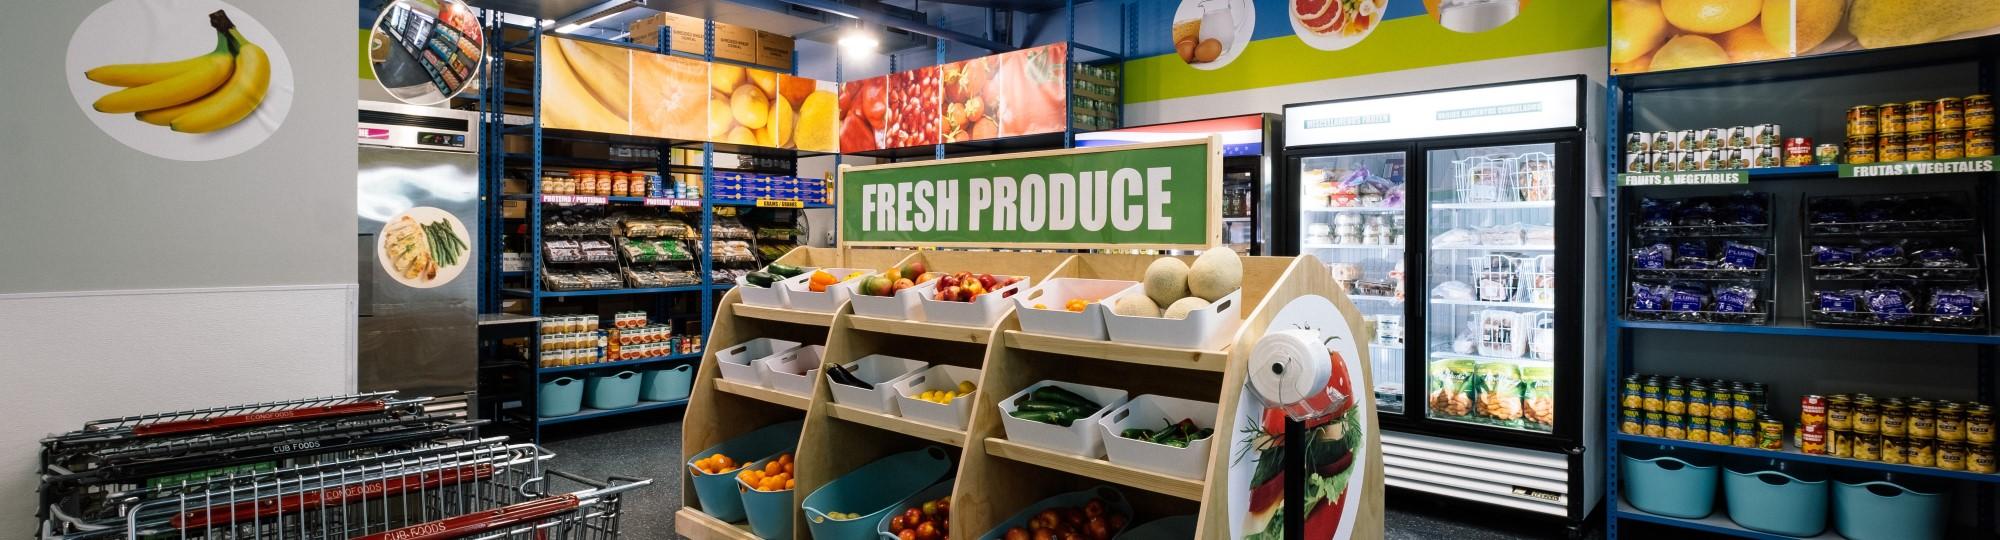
[{"x": 1456, "y": 221}]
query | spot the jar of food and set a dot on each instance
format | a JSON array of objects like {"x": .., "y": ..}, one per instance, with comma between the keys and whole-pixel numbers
[
  {"x": 1979, "y": 142},
  {"x": 1894, "y": 420},
  {"x": 1839, "y": 412},
  {"x": 1978, "y": 111},
  {"x": 1862, "y": 122},
  {"x": 1676, "y": 398},
  {"x": 1867, "y": 416},
  {"x": 1770, "y": 434},
  {"x": 1979, "y": 459},
  {"x": 1656, "y": 425},
  {"x": 1923, "y": 419},
  {"x": 1950, "y": 114},
  {"x": 1868, "y": 447},
  {"x": 1951, "y": 455},
  {"x": 1745, "y": 435},
  {"x": 1651, "y": 395},
  {"x": 1919, "y": 145},
  {"x": 1743, "y": 406},
  {"x": 1840, "y": 443},
  {"x": 1917, "y": 115},
  {"x": 1920, "y": 451},
  {"x": 1890, "y": 148},
  {"x": 1697, "y": 400},
  {"x": 1950, "y": 422},
  {"x": 1892, "y": 451},
  {"x": 1632, "y": 399},
  {"x": 1979, "y": 424},
  {"x": 1948, "y": 145},
  {"x": 1697, "y": 429},
  {"x": 1676, "y": 427},
  {"x": 1861, "y": 150},
  {"x": 1889, "y": 118}
]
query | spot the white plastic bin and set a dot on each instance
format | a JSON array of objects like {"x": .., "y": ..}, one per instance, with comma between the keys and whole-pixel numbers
[
  {"x": 902, "y": 306},
  {"x": 880, "y": 370},
  {"x": 1152, "y": 411},
  {"x": 735, "y": 361},
  {"x": 1083, "y": 437},
  {"x": 799, "y": 295},
  {"x": 1058, "y": 321},
  {"x": 793, "y": 371},
  {"x": 1208, "y": 329},
  {"x": 772, "y": 296},
  {"x": 982, "y": 312},
  {"x": 938, "y": 377}
]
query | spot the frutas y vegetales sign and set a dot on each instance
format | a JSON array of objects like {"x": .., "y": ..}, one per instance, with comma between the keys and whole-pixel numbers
[{"x": 1159, "y": 195}]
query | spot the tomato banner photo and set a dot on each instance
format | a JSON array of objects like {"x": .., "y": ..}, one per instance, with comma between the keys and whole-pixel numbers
[{"x": 1156, "y": 195}]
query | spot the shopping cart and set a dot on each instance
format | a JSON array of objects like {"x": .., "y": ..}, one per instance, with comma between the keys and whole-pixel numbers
[{"x": 84, "y": 469}]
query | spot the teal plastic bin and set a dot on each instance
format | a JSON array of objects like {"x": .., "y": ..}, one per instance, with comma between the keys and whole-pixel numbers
[
  {"x": 770, "y": 512},
  {"x": 561, "y": 396},
  {"x": 717, "y": 492},
  {"x": 1113, "y": 501},
  {"x": 1668, "y": 481},
  {"x": 872, "y": 491},
  {"x": 1779, "y": 497},
  {"x": 1884, "y": 506},
  {"x": 1170, "y": 528},
  {"x": 613, "y": 391},
  {"x": 938, "y": 491},
  {"x": 671, "y": 384}
]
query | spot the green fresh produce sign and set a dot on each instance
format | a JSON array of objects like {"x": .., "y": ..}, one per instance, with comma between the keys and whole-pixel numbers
[
  {"x": 1691, "y": 178},
  {"x": 1907, "y": 168},
  {"x": 1157, "y": 195}
]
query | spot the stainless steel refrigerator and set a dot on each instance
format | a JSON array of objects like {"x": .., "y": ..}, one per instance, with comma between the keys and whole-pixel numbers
[
  {"x": 418, "y": 207},
  {"x": 1458, "y": 220}
]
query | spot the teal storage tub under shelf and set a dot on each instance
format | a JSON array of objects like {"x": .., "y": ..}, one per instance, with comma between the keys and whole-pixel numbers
[
  {"x": 873, "y": 490},
  {"x": 717, "y": 492},
  {"x": 1776, "y": 496},
  {"x": 671, "y": 384},
  {"x": 1669, "y": 481},
  {"x": 562, "y": 396}
]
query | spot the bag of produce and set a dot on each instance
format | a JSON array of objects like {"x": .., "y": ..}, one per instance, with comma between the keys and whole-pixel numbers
[
  {"x": 1538, "y": 398},
  {"x": 1499, "y": 398},
  {"x": 1451, "y": 388}
]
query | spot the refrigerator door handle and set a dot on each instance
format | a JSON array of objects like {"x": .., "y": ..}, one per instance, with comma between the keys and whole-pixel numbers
[{"x": 365, "y": 274}]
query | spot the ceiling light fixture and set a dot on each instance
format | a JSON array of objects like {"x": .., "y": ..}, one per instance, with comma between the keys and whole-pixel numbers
[{"x": 858, "y": 41}]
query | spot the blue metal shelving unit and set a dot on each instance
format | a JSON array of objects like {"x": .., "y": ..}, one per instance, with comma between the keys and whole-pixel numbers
[
  {"x": 495, "y": 160},
  {"x": 1619, "y": 354}
]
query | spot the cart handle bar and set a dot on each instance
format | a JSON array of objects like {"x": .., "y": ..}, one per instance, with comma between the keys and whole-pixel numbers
[
  {"x": 229, "y": 514},
  {"x": 482, "y": 521},
  {"x": 257, "y": 419}
]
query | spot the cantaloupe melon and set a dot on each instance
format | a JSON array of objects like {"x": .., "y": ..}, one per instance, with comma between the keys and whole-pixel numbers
[
  {"x": 1216, "y": 273},
  {"x": 1136, "y": 305},
  {"x": 1166, "y": 280},
  {"x": 1184, "y": 306}
]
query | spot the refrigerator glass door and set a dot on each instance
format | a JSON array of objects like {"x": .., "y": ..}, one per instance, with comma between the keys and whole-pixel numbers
[
  {"x": 1352, "y": 210},
  {"x": 1490, "y": 281}
]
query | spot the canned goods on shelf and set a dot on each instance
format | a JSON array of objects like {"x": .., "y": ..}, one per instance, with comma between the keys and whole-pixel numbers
[
  {"x": 1867, "y": 447},
  {"x": 1719, "y": 433},
  {"x": 1950, "y": 114},
  {"x": 1712, "y": 138},
  {"x": 1951, "y": 455},
  {"x": 1812, "y": 439},
  {"x": 1770, "y": 434},
  {"x": 1697, "y": 401},
  {"x": 1923, "y": 419},
  {"x": 1638, "y": 162},
  {"x": 1891, "y": 147},
  {"x": 1650, "y": 396},
  {"x": 1697, "y": 429},
  {"x": 1632, "y": 387},
  {"x": 1889, "y": 118},
  {"x": 1978, "y": 111},
  {"x": 1685, "y": 161},
  {"x": 1739, "y": 137},
  {"x": 1812, "y": 410},
  {"x": 1892, "y": 451},
  {"x": 1656, "y": 425},
  {"x": 1895, "y": 419},
  {"x": 1798, "y": 152},
  {"x": 1920, "y": 451},
  {"x": 1840, "y": 443},
  {"x": 1839, "y": 412},
  {"x": 1861, "y": 150},
  {"x": 1917, "y": 146},
  {"x": 1639, "y": 141},
  {"x": 1675, "y": 427},
  {"x": 1629, "y": 423},
  {"x": 1978, "y": 142},
  {"x": 1676, "y": 399},
  {"x": 1948, "y": 145},
  {"x": 1979, "y": 424},
  {"x": 1766, "y": 134},
  {"x": 1666, "y": 141},
  {"x": 1862, "y": 122},
  {"x": 1826, "y": 154},
  {"x": 1917, "y": 115},
  {"x": 1867, "y": 416},
  {"x": 1950, "y": 422},
  {"x": 1745, "y": 435},
  {"x": 1979, "y": 458}
]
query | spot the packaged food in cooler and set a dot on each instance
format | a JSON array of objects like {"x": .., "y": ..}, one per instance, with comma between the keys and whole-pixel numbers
[
  {"x": 1451, "y": 387},
  {"x": 1538, "y": 397},
  {"x": 1499, "y": 400},
  {"x": 1957, "y": 307},
  {"x": 1692, "y": 254},
  {"x": 1940, "y": 257},
  {"x": 1503, "y": 235},
  {"x": 1883, "y": 255},
  {"x": 1736, "y": 298},
  {"x": 1835, "y": 256},
  {"x": 1452, "y": 290},
  {"x": 1687, "y": 300},
  {"x": 1656, "y": 213},
  {"x": 1539, "y": 235},
  {"x": 1649, "y": 297},
  {"x": 1741, "y": 256},
  {"x": 1652, "y": 256},
  {"x": 1456, "y": 238},
  {"x": 1502, "y": 334},
  {"x": 1838, "y": 304}
]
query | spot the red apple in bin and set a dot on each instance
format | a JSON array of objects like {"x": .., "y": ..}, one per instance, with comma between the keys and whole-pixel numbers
[
  {"x": 927, "y": 276},
  {"x": 945, "y": 282},
  {"x": 987, "y": 282},
  {"x": 877, "y": 285},
  {"x": 948, "y": 293},
  {"x": 1009, "y": 281}
]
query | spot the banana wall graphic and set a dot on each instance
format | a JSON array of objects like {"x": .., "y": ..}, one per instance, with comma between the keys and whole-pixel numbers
[{"x": 191, "y": 80}]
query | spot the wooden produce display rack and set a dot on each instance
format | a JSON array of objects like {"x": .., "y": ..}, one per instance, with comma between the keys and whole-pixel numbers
[{"x": 997, "y": 478}]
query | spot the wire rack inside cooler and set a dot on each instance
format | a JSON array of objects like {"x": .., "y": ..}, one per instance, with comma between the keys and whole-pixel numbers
[
  {"x": 1701, "y": 260},
  {"x": 1914, "y": 261}
]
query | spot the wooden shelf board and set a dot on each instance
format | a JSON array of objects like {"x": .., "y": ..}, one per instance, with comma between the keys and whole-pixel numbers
[
  {"x": 1184, "y": 488},
  {"x": 793, "y": 316},
  {"x": 927, "y": 330},
  {"x": 1120, "y": 352},
  {"x": 760, "y": 393},
  {"x": 898, "y": 424},
  {"x": 696, "y": 525}
]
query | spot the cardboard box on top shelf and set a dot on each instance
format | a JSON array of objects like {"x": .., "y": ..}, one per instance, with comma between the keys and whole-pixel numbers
[
  {"x": 512, "y": 186},
  {"x": 514, "y": 209},
  {"x": 688, "y": 31},
  {"x": 774, "y": 50},
  {"x": 738, "y": 43},
  {"x": 519, "y": 144}
]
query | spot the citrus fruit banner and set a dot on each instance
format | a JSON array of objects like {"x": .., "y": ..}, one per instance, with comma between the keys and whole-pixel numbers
[{"x": 1662, "y": 35}]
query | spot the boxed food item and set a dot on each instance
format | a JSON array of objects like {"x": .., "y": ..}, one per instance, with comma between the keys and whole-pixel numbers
[
  {"x": 738, "y": 43},
  {"x": 514, "y": 209},
  {"x": 688, "y": 31},
  {"x": 774, "y": 50}
]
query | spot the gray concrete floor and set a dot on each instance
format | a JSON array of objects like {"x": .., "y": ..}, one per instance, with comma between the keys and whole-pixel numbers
[{"x": 650, "y": 448}]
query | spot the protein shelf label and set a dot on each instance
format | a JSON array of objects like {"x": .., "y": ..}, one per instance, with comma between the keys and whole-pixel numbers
[
  {"x": 1157, "y": 195},
  {"x": 1910, "y": 168},
  {"x": 1692, "y": 178}
]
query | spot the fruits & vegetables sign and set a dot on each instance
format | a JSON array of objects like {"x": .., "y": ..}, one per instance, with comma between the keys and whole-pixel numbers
[
  {"x": 1149, "y": 196},
  {"x": 1660, "y": 35}
]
